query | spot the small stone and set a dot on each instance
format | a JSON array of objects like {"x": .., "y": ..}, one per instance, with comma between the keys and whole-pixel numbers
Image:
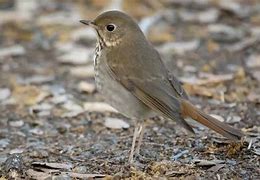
[
  {"x": 82, "y": 71},
  {"x": 38, "y": 154},
  {"x": 16, "y": 123},
  {"x": 115, "y": 123},
  {"x": 98, "y": 107},
  {"x": 225, "y": 33},
  {"x": 61, "y": 177},
  {"x": 60, "y": 99},
  {"x": 38, "y": 79},
  {"x": 83, "y": 33},
  {"x": 16, "y": 151},
  {"x": 36, "y": 131},
  {"x": 256, "y": 75},
  {"x": 233, "y": 119},
  {"x": 12, "y": 51},
  {"x": 72, "y": 106},
  {"x": 80, "y": 169},
  {"x": 41, "y": 107},
  {"x": 180, "y": 47},
  {"x": 4, "y": 143},
  {"x": 218, "y": 117},
  {"x": 207, "y": 16},
  {"x": 77, "y": 56},
  {"x": 253, "y": 61},
  {"x": 4, "y": 94},
  {"x": 236, "y": 7},
  {"x": 86, "y": 87}
]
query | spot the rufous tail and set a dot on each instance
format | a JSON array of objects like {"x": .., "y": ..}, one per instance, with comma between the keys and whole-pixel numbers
[{"x": 188, "y": 110}]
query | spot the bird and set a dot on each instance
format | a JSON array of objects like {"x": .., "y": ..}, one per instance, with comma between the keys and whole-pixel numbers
[{"x": 132, "y": 78}]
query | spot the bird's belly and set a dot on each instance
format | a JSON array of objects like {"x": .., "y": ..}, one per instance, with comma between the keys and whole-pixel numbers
[{"x": 118, "y": 97}]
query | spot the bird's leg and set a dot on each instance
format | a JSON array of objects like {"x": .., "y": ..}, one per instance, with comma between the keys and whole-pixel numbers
[
  {"x": 140, "y": 139},
  {"x": 131, "y": 156}
]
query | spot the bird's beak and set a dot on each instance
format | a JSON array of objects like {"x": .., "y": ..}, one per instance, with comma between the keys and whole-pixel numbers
[{"x": 88, "y": 23}]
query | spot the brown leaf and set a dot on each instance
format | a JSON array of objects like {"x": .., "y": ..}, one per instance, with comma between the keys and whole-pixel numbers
[{"x": 28, "y": 95}]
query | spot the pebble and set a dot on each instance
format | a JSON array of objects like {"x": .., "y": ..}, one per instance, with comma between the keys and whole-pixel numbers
[
  {"x": 72, "y": 106},
  {"x": 4, "y": 94},
  {"x": 60, "y": 99},
  {"x": 41, "y": 107},
  {"x": 59, "y": 18},
  {"x": 36, "y": 131},
  {"x": 16, "y": 151},
  {"x": 39, "y": 154},
  {"x": 3, "y": 158},
  {"x": 98, "y": 107},
  {"x": 84, "y": 86},
  {"x": 77, "y": 56},
  {"x": 225, "y": 33},
  {"x": 115, "y": 123},
  {"x": 62, "y": 177},
  {"x": 38, "y": 79},
  {"x": 15, "y": 50},
  {"x": 208, "y": 16},
  {"x": 4, "y": 143},
  {"x": 253, "y": 61},
  {"x": 84, "y": 33},
  {"x": 80, "y": 169},
  {"x": 56, "y": 89},
  {"x": 83, "y": 71},
  {"x": 16, "y": 123},
  {"x": 235, "y": 7},
  {"x": 233, "y": 119},
  {"x": 179, "y": 47},
  {"x": 218, "y": 117}
]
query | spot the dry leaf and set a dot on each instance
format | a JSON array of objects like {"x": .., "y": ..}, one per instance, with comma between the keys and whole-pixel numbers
[{"x": 28, "y": 94}]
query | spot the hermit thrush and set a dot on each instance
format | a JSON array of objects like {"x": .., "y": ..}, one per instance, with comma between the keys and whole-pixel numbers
[{"x": 131, "y": 76}]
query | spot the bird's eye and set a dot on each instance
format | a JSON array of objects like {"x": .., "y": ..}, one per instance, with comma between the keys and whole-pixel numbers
[{"x": 111, "y": 27}]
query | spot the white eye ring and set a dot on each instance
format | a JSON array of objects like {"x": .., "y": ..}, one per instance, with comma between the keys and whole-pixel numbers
[{"x": 110, "y": 27}]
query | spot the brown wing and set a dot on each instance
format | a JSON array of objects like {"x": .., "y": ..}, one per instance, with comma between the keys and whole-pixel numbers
[
  {"x": 156, "y": 93},
  {"x": 178, "y": 86}
]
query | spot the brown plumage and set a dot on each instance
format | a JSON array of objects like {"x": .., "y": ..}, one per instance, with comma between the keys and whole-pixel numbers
[
  {"x": 188, "y": 110},
  {"x": 133, "y": 79}
]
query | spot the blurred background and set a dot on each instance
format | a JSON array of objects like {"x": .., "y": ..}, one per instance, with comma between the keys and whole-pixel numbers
[{"x": 51, "y": 112}]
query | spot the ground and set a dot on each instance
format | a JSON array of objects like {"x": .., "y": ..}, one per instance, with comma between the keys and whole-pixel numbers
[{"x": 54, "y": 124}]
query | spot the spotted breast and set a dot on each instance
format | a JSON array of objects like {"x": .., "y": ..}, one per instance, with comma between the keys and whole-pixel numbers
[{"x": 107, "y": 86}]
